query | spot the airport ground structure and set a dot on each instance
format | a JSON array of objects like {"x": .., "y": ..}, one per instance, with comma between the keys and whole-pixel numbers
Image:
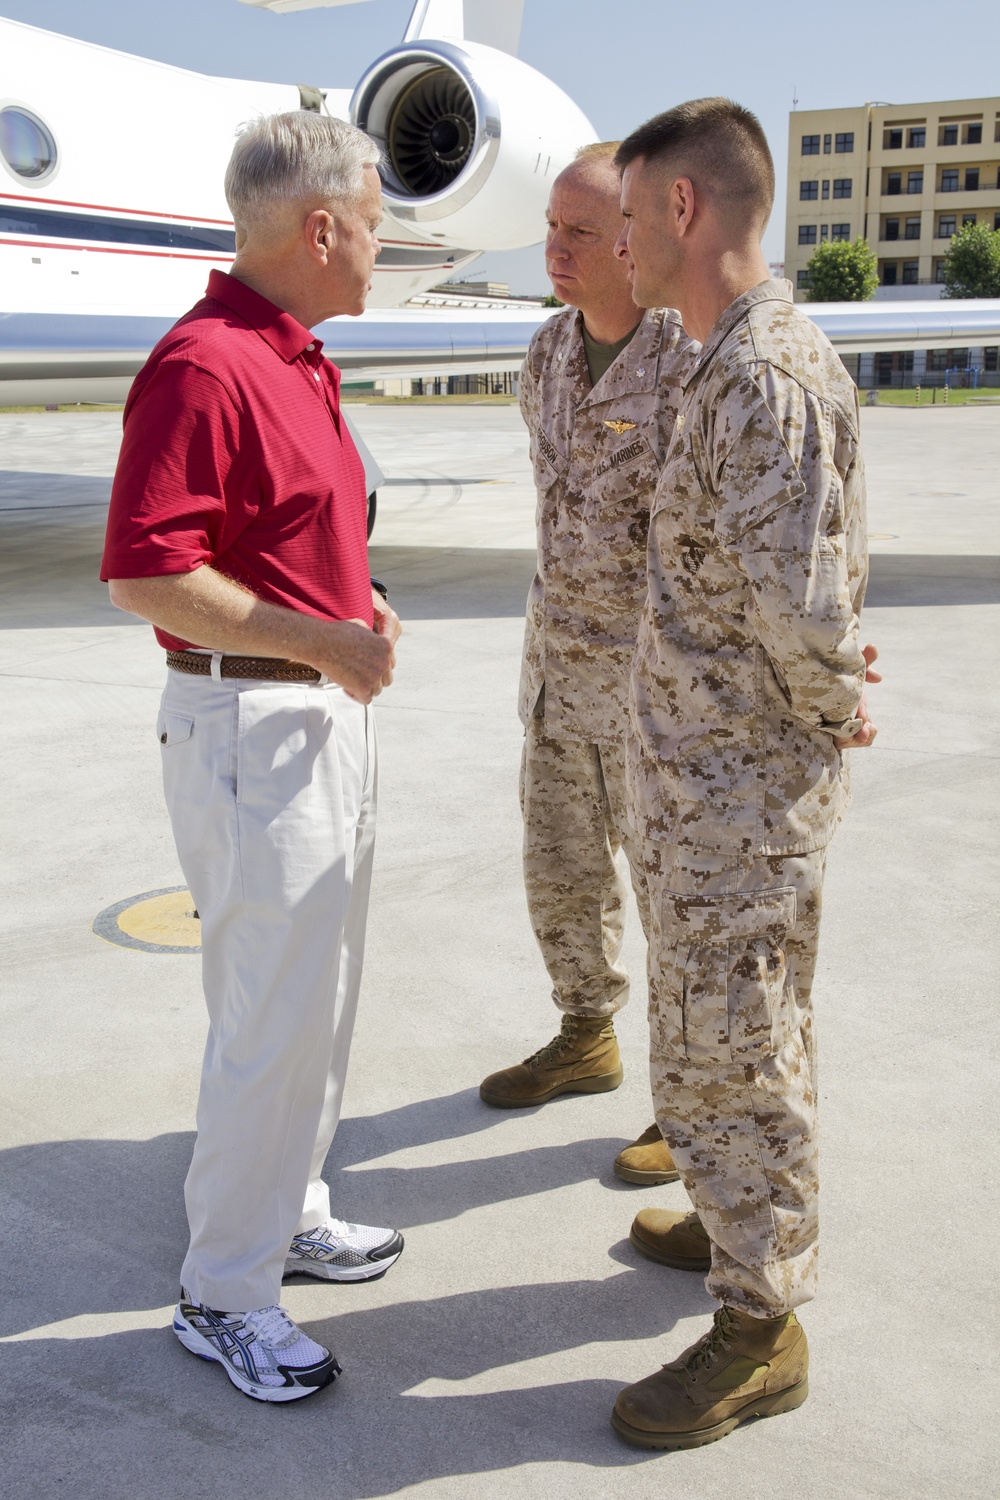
[{"x": 906, "y": 177}]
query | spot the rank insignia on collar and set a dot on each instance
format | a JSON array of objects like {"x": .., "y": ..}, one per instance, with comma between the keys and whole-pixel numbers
[{"x": 619, "y": 427}]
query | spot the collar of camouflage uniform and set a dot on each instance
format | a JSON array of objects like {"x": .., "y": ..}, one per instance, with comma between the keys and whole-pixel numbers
[{"x": 765, "y": 291}]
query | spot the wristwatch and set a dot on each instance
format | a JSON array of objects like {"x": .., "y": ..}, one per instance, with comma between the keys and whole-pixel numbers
[{"x": 380, "y": 588}]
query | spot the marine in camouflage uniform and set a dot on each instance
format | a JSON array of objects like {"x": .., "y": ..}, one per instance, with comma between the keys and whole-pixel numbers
[
  {"x": 596, "y": 453},
  {"x": 747, "y": 667},
  {"x": 598, "y": 393}
]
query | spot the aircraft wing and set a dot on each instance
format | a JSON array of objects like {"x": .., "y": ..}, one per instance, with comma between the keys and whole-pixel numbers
[
  {"x": 47, "y": 357},
  {"x": 867, "y": 327}
]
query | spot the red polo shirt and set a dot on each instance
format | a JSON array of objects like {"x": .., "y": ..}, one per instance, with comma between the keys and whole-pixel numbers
[{"x": 234, "y": 455}]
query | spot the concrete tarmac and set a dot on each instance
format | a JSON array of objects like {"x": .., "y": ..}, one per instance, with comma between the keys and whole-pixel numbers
[{"x": 486, "y": 1362}]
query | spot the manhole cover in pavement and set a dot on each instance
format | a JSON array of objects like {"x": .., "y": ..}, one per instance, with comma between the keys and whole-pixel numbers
[{"x": 155, "y": 922}]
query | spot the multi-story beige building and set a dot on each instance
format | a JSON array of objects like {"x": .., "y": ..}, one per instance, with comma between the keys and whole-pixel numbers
[{"x": 906, "y": 176}]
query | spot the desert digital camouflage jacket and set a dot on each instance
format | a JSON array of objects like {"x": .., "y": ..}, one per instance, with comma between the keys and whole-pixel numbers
[
  {"x": 748, "y": 658},
  {"x": 597, "y": 453}
]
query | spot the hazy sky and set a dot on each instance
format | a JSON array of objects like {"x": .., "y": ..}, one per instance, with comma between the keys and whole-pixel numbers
[{"x": 621, "y": 62}]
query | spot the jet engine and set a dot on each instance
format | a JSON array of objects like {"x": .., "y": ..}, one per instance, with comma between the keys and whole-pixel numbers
[{"x": 471, "y": 140}]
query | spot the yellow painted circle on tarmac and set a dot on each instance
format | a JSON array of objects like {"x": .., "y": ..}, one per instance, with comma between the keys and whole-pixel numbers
[
  {"x": 154, "y": 922},
  {"x": 167, "y": 921}
]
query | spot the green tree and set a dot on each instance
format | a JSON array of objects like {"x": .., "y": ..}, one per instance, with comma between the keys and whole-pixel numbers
[
  {"x": 842, "y": 271},
  {"x": 551, "y": 300},
  {"x": 972, "y": 265}
]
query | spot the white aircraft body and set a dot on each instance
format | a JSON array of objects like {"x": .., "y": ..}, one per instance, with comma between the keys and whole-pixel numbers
[{"x": 112, "y": 211}]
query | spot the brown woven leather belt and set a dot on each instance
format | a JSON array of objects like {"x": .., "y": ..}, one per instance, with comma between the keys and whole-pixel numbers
[{"x": 264, "y": 668}]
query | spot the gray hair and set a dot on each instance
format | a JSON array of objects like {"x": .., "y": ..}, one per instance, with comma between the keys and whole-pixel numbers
[{"x": 297, "y": 156}]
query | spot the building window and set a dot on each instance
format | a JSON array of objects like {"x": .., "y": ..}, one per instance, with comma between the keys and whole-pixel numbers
[
  {"x": 968, "y": 219},
  {"x": 891, "y": 229},
  {"x": 915, "y": 182},
  {"x": 972, "y": 179},
  {"x": 910, "y": 268},
  {"x": 807, "y": 233},
  {"x": 912, "y": 229},
  {"x": 802, "y": 280},
  {"x": 991, "y": 358},
  {"x": 894, "y": 183},
  {"x": 809, "y": 189},
  {"x": 996, "y": 221},
  {"x": 949, "y": 135},
  {"x": 826, "y": 145},
  {"x": 810, "y": 145},
  {"x": 917, "y": 139},
  {"x": 824, "y": 232},
  {"x": 889, "y": 273},
  {"x": 892, "y": 141},
  {"x": 844, "y": 141},
  {"x": 973, "y": 135},
  {"x": 939, "y": 272},
  {"x": 840, "y": 231},
  {"x": 842, "y": 187},
  {"x": 946, "y": 226},
  {"x": 949, "y": 180}
]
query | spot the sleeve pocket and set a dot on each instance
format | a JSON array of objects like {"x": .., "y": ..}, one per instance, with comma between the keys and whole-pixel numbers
[
  {"x": 171, "y": 729},
  {"x": 736, "y": 1002}
]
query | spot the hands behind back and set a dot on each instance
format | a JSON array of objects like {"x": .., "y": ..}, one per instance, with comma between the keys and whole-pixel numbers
[{"x": 866, "y": 734}]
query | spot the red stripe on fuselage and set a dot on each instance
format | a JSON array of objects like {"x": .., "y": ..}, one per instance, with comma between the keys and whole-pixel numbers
[
  {"x": 90, "y": 249},
  {"x": 148, "y": 213}
]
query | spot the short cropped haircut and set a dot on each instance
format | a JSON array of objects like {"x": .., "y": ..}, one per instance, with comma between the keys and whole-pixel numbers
[
  {"x": 598, "y": 151},
  {"x": 298, "y": 156},
  {"x": 719, "y": 145}
]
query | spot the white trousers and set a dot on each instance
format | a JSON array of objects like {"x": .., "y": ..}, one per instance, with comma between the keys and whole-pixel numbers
[{"x": 271, "y": 790}]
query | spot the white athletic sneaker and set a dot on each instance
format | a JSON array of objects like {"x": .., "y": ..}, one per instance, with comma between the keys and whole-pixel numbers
[
  {"x": 264, "y": 1353},
  {"x": 344, "y": 1252}
]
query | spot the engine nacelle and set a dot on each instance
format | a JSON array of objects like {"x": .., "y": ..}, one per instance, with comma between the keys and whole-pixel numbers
[{"x": 471, "y": 138}]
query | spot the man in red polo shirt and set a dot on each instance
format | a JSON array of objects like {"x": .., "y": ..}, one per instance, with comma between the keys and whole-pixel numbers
[{"x": 238, "y": 528}]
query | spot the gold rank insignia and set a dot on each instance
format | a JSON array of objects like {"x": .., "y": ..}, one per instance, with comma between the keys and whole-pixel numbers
[{"x": 619, "y": 427}]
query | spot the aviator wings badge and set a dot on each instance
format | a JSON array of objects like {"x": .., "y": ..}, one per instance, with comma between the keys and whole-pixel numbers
[{"x": 619, "y": 427}]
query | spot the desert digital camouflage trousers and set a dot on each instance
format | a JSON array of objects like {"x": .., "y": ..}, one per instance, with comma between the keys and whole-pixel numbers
[
  {"x": 731, "y": 958},
  {"x": 573, "y": 802}
]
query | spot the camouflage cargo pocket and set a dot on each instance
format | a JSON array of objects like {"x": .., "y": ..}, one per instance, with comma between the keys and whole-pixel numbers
[{"x": 735, "y": 1004}]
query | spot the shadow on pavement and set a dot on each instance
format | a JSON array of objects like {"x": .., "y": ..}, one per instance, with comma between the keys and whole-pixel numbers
[
  {"x": 106, "y": 1236},
  {"x": 364, "y": 1138},
  {"x": 112, "y": 1223},
  {"x": 455, "y": 583},
  {"x": 50, "y": 560},
  {"x": 134, "y": 1415},
  {"x": 897, "y": 580}
]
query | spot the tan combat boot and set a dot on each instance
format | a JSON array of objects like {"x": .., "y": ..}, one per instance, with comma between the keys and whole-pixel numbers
[
  {"x": 744, "y": 1367},
  {"x": 672, "y": 1239},
  {"x": 582, "y": 1059},
  {"x": 647, "y": 1161}
]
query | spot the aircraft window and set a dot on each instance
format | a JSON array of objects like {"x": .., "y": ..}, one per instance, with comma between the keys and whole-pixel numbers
[
  {"x": 54, "y": 224},
  {"x": 26, "y": 145}
]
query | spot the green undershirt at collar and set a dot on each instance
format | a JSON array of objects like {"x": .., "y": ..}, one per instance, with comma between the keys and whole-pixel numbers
[{"x": 601, "y": 357}]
